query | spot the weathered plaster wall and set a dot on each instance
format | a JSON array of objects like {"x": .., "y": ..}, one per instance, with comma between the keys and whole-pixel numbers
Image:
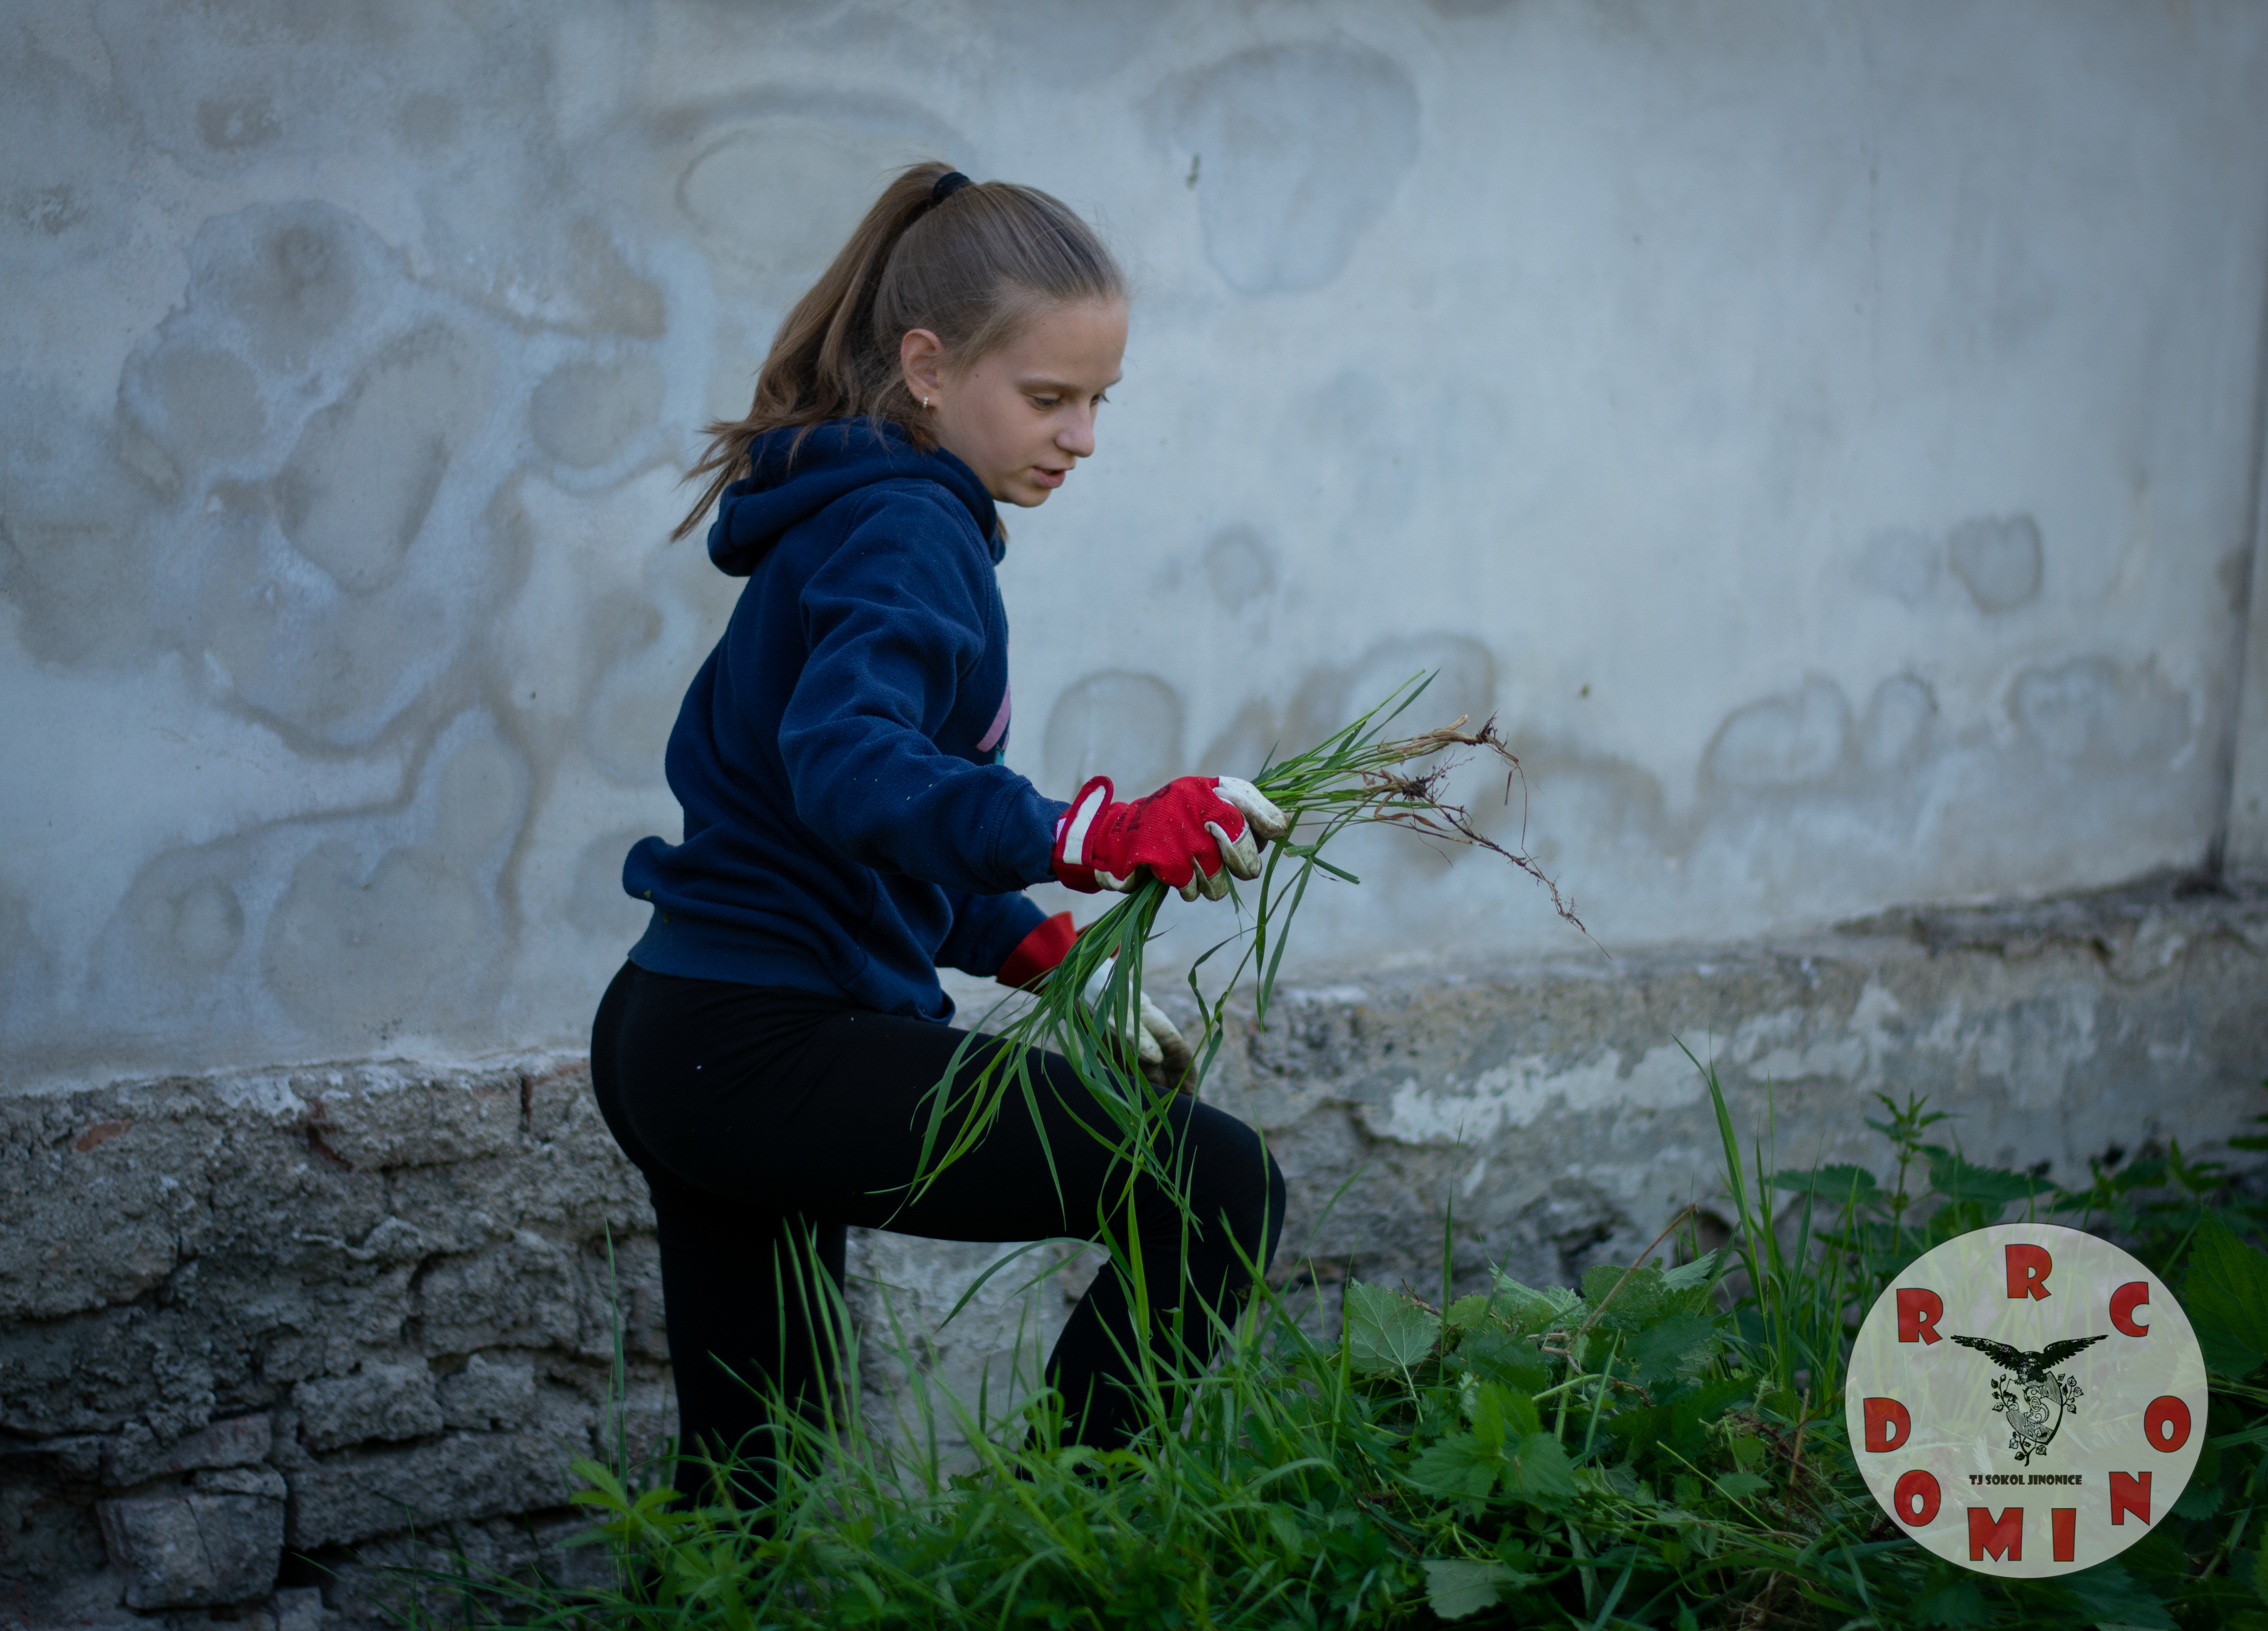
[
  {"x": 1825, "y": 436},
  {"x": 300, "y": 1309},
  {"x": 2246, "y": 843}
]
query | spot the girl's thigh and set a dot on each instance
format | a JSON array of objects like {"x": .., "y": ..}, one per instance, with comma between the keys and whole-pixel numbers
[
  {"x": 781, "y": 1102},
  {"x": 853, "y": 1143}
]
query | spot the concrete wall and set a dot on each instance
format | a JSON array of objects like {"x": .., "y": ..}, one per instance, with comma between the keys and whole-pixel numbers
[
  {"x": 2246, "y": 851},
  {"x": 1826, "y": 437}
]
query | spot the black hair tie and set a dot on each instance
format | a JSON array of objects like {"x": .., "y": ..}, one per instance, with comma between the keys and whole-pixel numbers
[{"x": 951, "y": 182}]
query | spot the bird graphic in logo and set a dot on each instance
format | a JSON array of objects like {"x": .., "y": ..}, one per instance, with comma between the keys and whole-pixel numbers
[{"x": 2035, "y": 1402}]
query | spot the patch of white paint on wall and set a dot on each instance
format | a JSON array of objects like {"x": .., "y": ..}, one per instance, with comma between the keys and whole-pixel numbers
[{"x": 1520, "y": 1092}]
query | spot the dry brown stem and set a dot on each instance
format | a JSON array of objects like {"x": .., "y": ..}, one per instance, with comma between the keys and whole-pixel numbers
[{"x": 1411, "y": 798}]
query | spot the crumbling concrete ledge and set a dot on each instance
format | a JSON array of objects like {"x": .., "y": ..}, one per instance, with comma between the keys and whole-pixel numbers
[
  {"x": 1557, "y": 1112},
  {"x": 325, "y": 1305}
]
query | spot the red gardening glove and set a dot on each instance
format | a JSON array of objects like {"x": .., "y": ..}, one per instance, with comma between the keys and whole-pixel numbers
[
  {"x": 1037, "y": 953},
  {"x": 1194, "y": 832}
]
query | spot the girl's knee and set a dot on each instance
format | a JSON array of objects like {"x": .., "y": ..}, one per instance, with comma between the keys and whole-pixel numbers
[
  {"x": 1279, "y": 1196},
  {"x": 1262, "y": 1223},
  {"x": 1236, "y": 1180}
]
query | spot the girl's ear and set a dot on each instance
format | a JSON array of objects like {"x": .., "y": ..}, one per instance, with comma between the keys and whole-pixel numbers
[{"x": 921, "y": 358}]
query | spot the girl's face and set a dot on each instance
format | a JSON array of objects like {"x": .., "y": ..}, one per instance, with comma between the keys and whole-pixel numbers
[{"x": 1022, "y": 416}]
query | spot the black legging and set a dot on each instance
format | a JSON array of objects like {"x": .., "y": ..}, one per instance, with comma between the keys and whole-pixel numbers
[{"x": 761, "y": 1115}]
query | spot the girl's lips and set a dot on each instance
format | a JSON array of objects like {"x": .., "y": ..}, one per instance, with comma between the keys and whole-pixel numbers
[{"x": 1047, "y": 478}]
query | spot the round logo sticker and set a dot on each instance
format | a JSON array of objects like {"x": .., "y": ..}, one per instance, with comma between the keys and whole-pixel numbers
[{"x": 2026, "y": 1400}]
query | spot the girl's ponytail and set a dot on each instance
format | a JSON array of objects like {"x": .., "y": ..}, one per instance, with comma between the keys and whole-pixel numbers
[{"x": 969, "y": 263}]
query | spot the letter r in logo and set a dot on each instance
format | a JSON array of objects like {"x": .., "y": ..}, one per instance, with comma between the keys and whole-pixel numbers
[
  {"x": 2029, "y": 1267},
  {"x": 1919, "y": 1310}
]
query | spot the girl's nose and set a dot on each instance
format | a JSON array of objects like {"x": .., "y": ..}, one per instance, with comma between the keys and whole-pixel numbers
[{"x": 1076, "y": 438}]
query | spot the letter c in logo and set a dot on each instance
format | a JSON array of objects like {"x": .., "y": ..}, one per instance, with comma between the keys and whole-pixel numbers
[{"x": 2124, "y": 1302}]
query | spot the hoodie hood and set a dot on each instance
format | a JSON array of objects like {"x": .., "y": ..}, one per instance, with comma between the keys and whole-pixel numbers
[{"x": 789, "y": 482}]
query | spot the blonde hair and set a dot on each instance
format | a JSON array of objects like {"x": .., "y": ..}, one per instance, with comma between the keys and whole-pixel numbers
[{"x": 971, "y": 263}]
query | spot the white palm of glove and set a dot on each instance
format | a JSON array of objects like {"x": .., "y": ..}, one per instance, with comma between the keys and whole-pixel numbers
[
  {"x": 1159, "y": 1049},
  {"x": 1239, "y": 857}
]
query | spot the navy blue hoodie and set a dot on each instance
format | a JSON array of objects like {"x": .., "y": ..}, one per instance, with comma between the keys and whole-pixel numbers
[{"x": 848, "y": 825}]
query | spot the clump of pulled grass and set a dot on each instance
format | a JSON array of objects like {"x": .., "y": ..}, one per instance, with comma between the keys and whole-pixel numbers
[{"x": 1087, "y": 1007}]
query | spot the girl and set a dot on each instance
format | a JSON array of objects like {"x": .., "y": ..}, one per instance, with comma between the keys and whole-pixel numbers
[{"x": 850, "y": 827}]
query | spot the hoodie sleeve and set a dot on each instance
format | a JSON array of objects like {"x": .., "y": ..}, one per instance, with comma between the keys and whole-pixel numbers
[
  {"x": 986, "y": 928},
  {"x": 892, "y": 620}
]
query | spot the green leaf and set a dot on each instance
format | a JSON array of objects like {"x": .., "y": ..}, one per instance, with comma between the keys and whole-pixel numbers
[
  {"x": 2159, "y": 1554},
  {"x": 1639, "y": 1427},
  {"x": 1690, "y": 1413},
  {"x": 2108, "y": 1594},
  {"x": 1504, "y": 1415},
  {"x": 1528, "y": 1310},
  {"x": 1540, "y": 1470},
  {"x": 1459, "y": 1467},
  {"x": 1640, "y": 1301},
  {"x": 1742, "y": 1485},
  {"x": 1467, "y": 1312},
  {"x": 1697, "y": 1275},
  {"x": 1457, "y": 1587},
  {"x": 1838, "y": 1183},
  {"x": 2224, "y": 1355},
  {"x": 1676, "y": 1348},
  {"x": 1499, "y": 1356},
  {"x": 1387, "y": 1331},
  {"x": 2198, "y": 1502},
  {"x": 1286, "y": 1533},
  {"x": 1957, "y": 1180},
  {"x": 2226, "y": 1296}
]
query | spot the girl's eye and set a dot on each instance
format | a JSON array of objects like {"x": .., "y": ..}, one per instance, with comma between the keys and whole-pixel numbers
[{"x": 1045, "y": 402}]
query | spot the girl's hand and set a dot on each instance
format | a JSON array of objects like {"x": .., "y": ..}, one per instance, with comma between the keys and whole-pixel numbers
[
  {"x": 1160, "y": 1052},
  {"x": 1194, "y": 834}
]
